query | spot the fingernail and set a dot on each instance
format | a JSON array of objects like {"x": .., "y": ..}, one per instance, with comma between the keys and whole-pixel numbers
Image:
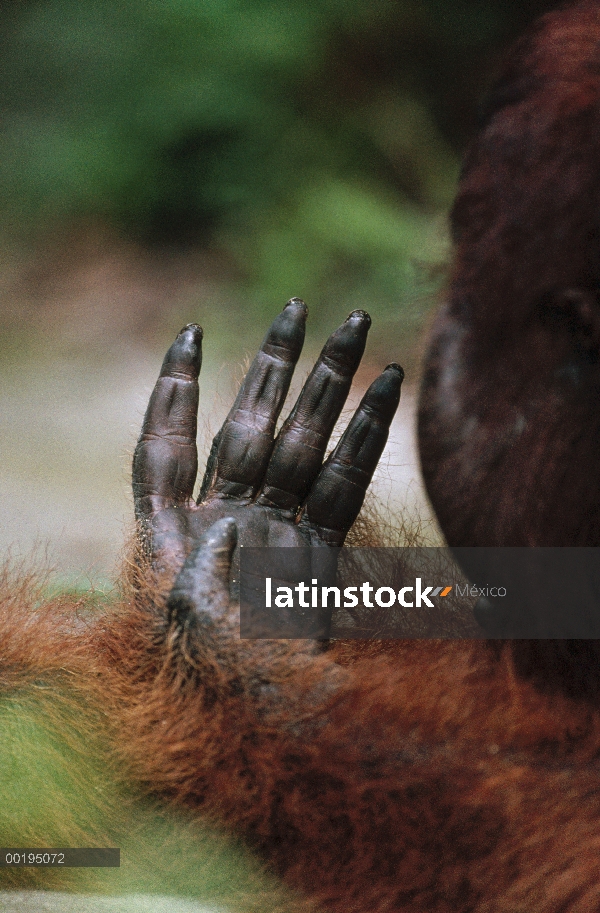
[
  {"x": 297, "y": 303},
  {"x": 196, "y": 329},
  {"x": 288, "y": 329},
  {"x": 185, "y": 351},
  {"x": 384, "y": 393},
  {"x": 359, "y": 316},
  {"x": 393, "y": 366}
]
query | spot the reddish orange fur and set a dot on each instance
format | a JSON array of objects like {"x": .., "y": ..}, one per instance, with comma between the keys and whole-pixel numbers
[{"x": 427, "y": 777}]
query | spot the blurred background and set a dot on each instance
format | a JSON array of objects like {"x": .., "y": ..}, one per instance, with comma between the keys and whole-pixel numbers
[{"x": 168, "y": 161}]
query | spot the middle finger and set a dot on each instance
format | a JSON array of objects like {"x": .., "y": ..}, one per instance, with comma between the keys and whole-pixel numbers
[
  {"x": 301, "y": 443},
  {"x": 241, "y": 450}
]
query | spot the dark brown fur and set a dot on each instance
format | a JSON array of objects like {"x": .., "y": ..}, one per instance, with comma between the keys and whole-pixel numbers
[
  {"x": 509, "y": 428},
  {"x": 509, "y": 424}
]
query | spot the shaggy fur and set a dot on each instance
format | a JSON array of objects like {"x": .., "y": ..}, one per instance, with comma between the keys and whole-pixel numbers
[
  {"x": 509, "y": 427},
  {"x": 425, "y": 776}
]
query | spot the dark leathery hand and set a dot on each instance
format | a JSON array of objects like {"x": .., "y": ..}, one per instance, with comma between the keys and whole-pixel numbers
[
  {"x": 278, "y": 491},
  {"x": 165, "y": 462},
  {"x": 337, "y": 495},
  {"x": 300, "y": 446},
  {"x": 241, "y": 451}
]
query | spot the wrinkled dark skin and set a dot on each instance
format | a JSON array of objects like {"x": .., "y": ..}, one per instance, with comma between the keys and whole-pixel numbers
[{"x": 279, "y": 491}]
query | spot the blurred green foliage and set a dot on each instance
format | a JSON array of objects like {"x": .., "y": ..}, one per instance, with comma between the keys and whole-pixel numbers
[
  {"x": 312, "y": 143},
  {"x": 61, "y": 787}
]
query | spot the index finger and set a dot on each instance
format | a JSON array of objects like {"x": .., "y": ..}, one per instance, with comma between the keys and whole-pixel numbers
[{"x": 165, "y": 462}]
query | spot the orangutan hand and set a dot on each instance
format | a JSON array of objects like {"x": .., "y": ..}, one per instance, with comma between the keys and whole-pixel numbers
[{"x": 277, "y": 490}]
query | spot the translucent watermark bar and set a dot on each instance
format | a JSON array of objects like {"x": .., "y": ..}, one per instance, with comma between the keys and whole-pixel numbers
[{"x": 385, "y": 593}]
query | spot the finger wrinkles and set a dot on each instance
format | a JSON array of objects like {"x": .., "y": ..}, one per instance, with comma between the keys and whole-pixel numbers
[
  {"x": 168, "y": 434},
  {"x": 183, "y": 377},
  {"x": 341, "y": 363},
  {"x": 265, "y": 389},
  {"x": 173, "y": 401},
  {"x": 374, "y": 413},
  {"x": 323, "y": 396},
  {"x": 150, "y": 502},
  {"x": 286, "y": 501},
  {"x": 250, "y": 421},
  {"x": 348, "y": 473},
  {"x": 280, "y": 353},
  {"x": 158, "y": 499},
  {"x": 169, "y": 389},
  {"x": 242, "y": 452},
  {"x": 303, "y": 436},
  {"x": 355, "y": 436},
  {"x": 366, "y": 451}
]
